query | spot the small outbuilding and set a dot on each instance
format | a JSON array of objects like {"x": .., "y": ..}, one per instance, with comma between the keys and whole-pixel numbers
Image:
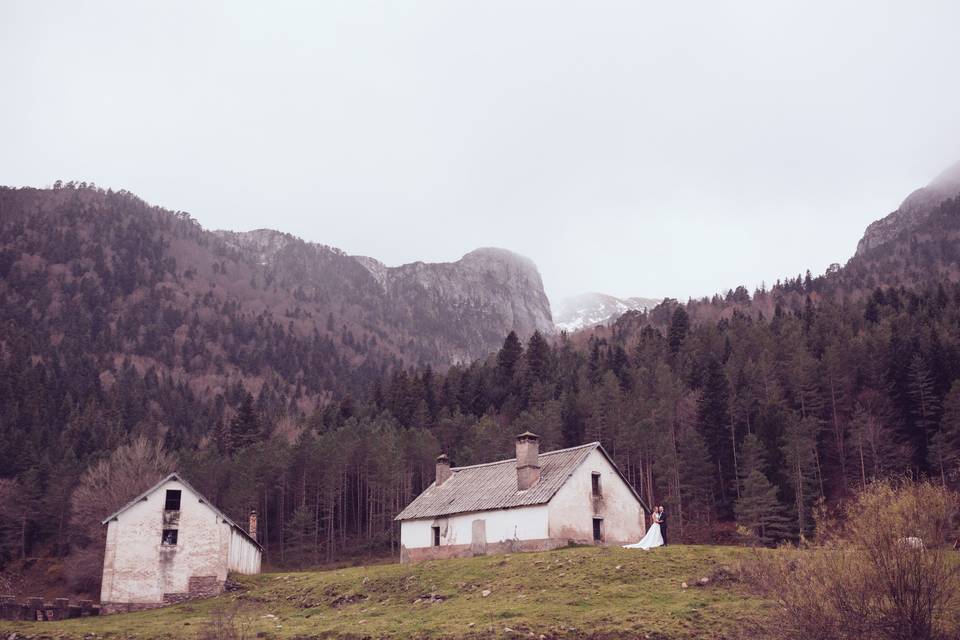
[
  {"x": 534, "y": 502},
  {"x": 171, "y": 544}
]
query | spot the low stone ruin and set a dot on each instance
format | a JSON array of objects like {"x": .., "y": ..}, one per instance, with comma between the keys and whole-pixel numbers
[{"x": 35, "y": 609}]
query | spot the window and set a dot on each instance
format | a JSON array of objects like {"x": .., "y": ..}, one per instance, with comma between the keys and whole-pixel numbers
[
  {"x": 596, "y": 484},
  {"x": 169, "y": 537},
  {"x": 173, "y": 500},
  {"x": 598, "y": 529},
  {"x": 436, "y": 536}
]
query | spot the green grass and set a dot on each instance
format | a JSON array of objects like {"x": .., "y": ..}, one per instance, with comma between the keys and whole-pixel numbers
[{"x": 577, "y": 593}]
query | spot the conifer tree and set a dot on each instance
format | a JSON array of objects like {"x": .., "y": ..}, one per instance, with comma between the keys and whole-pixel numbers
[
  {"x": 925, "y": 404},
  {"x": 300, "y": 534},
  {"x": 507, "y": 360},
  {"x": 245, "y": 426},
  {"x": 223, "y": 437},
  {"x": 572, "y": 427},
  {"x": 944, "y": 454},
  {"x": 758, "y": 510},
  {"x": 799, "y": 452},
  {"x": 539, "y": 357},
  {"x": 679, "y": 327},
  {"x": 752, "y": 457}
]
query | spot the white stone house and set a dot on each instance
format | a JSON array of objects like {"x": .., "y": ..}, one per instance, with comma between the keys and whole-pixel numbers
[
  {"x": 170, "y": 544},
  {"x": 534, "y": 502}
]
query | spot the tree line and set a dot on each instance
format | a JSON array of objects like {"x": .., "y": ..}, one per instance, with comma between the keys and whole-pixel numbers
[{"x": 738, "y": 410}]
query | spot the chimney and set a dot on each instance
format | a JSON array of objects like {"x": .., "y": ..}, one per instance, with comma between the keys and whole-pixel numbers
[
  {"x": 443, "y": 469},
  {"x": 252, "y": 530},
  {"x": 528, "y": 460}
]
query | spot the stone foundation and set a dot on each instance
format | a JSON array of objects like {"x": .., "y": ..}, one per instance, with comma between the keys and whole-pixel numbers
[
  {"x": 108, "y": 608},
  {"x": 445, "y": 552},
  {"x": 198, "y": 587}
]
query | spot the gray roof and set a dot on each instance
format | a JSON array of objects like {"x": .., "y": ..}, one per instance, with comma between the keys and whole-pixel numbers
[
  {"x": 483, "y": 487},
  {"x": 176, "y": 476}
]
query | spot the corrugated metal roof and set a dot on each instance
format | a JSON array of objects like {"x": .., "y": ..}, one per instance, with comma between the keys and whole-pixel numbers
[{"x": 494, "y": 485}]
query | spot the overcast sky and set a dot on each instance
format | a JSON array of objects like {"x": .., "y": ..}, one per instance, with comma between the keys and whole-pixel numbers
[{"x": 652, "y": 149}]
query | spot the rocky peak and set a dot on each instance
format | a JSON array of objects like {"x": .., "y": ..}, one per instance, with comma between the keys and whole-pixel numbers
[
  {"x": 461, "y": 309},
  {"x": 915, "y": 208}
]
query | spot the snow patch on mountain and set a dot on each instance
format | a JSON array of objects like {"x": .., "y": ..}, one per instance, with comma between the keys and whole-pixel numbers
[{"x": 592, "y": 309}]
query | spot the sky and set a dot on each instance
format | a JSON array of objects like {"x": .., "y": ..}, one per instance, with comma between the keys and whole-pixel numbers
[{"x": 637, "y": 148}]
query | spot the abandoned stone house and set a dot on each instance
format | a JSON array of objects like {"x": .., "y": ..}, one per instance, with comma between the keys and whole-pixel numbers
[
  {"x": 170, "y": 544},
  {"x": 534, "y": 502}
]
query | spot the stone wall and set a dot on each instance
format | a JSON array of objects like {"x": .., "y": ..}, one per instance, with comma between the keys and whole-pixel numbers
[
  {"x": 35, "y": 609},
  {"x": 109, "y": 608},
  {"x": 445, "y": 552},
  {"x": 198, "y": 587}
]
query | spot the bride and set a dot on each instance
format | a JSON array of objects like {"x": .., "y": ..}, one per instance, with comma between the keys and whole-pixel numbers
[{"x": 653, "y": 537}]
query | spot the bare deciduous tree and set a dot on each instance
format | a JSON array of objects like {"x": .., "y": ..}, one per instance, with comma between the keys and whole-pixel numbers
[{"x": 103, "y": 488}]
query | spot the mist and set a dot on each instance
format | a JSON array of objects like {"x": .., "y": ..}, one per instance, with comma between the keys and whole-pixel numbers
[{"x": 646, "y": 149}]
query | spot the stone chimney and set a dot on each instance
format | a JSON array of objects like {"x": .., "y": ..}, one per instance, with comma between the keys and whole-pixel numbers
[
  {"x": 443, "y": 469},
  {"x": 252, "y": 529},
  {"x": 528, "y": 460}
]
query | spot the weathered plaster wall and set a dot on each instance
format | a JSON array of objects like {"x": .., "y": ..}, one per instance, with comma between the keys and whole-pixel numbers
[
  {"x": 567, "y": 517},
  {"x": 139, "y": 569},
  {"x": 523, "y": 523},
  {"x": 572, "y": 509}
]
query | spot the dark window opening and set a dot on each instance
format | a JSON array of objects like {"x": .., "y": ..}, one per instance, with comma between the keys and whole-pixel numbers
[
  {"x": 598, "y": 529},
  {"x": 169, "y": 537},
  {"x": 173, "y": 500},
  {"x": 596, "y": 484},
  {"x": 436, "y": 536}
]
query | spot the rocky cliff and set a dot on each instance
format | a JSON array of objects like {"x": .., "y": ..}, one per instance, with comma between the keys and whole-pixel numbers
[
  {"x": 453, "y": 312},
  {"x": 913, "y": 211}
]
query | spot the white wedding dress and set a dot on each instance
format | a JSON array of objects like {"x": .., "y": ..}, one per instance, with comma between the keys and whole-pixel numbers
[{"x": 652, "y": 539}]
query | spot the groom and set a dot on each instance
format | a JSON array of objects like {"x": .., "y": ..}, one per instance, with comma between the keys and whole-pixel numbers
[{"x": 662, "y": 519}]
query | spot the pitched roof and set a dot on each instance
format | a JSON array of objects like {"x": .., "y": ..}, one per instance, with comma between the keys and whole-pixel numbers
[
  {"x": 176, "y": 476},
  {"x": 483, "y": 487}
]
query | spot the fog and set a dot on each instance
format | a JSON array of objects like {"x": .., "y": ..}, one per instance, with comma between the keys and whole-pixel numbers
[{"x": 649, "y": 149}]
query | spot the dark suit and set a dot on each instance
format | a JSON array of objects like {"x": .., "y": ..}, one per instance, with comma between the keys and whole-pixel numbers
[{"x": 663, "y": 526}]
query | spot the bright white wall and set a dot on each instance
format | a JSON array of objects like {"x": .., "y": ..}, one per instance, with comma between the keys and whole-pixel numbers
[
  {"x": 138, "y": 569},
  {"x": 521, "y": 523},
  {"x": 571, "y": 511}
]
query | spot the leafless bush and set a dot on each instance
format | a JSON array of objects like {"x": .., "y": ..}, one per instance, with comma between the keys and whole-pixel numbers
[
  {"x": 863, "y": 582},
  {"x": 228, "y": 623},
  {"x": 103, "y": 488}
]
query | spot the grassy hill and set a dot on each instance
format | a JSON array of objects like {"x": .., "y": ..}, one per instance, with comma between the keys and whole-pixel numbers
[{"x": 571, "y": 593}]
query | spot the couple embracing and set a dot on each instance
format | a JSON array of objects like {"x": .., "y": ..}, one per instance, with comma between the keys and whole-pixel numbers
[{"x": 656, "y": 534}]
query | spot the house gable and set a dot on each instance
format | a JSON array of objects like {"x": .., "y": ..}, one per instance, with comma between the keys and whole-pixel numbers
[
  {"x": 597, "y": 491},
  {"x": 177, "y": 478}
]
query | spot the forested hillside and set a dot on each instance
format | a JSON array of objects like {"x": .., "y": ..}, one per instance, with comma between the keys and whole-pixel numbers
[
  {"x": 121, "y": 320},
  {"x": 747, "y": 408}
]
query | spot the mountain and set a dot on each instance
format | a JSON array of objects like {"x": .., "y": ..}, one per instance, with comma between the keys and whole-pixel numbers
[
  {"x": 591, "y": 309},
  {"x": 117, "y": 316},
  {"x": 916, "y": 246},
  {"x": 913, "y": 211},
  {"x": 452, "y": 312}
]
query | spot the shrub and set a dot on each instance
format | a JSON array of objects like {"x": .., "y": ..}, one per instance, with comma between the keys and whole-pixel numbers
[
  {"x": 863, "y": 579},
  {"x": 229, "y": 623}
]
